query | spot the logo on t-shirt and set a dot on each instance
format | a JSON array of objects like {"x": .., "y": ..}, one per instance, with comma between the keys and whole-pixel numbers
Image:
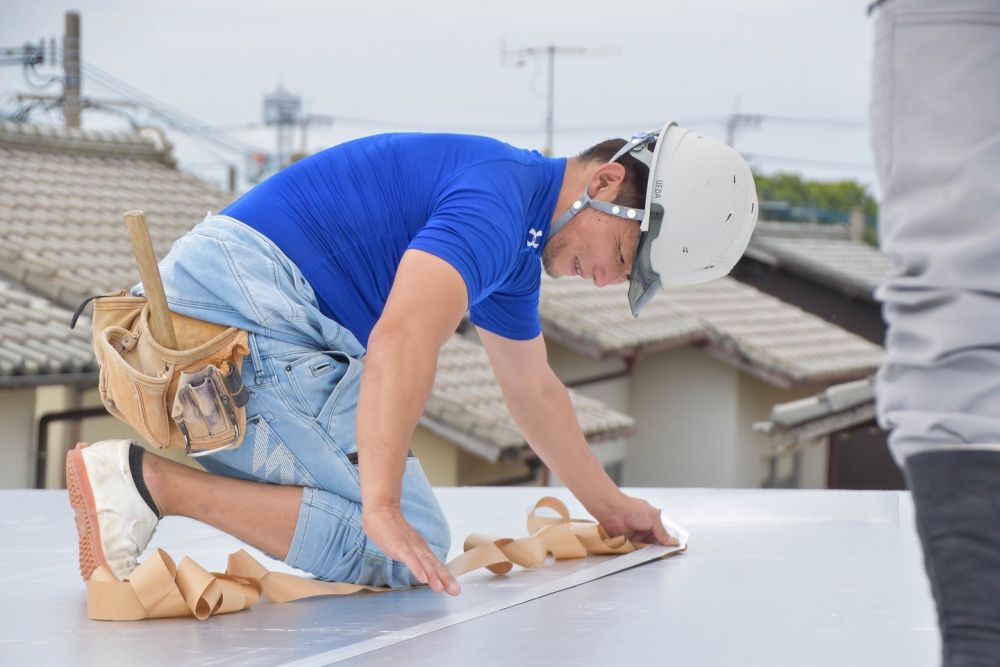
[{"x": 535, "y": 235}]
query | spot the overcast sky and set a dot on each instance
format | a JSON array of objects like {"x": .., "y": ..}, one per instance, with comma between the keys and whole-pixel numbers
[{"x": 436, "y": 64}]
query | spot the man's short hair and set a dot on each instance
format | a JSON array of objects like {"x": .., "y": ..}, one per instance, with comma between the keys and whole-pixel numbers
[{"x": 633, "y": 190}]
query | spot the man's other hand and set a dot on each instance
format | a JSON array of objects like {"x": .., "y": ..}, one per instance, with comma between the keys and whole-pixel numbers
[
  {"x": 635, "y": 519},
  {"x": 397, "y": 538}
]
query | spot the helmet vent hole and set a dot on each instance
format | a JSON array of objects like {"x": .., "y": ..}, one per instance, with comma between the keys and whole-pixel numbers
[
  {"x": 734, "y": 179},
  {"x": 729, "y": 217}
]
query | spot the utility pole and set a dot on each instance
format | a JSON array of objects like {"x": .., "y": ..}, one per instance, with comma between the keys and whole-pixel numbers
[
  {"x": 737, "y": 121},
  {"x": 71, "y": 66},
  {"x": 550, "y": 52}
]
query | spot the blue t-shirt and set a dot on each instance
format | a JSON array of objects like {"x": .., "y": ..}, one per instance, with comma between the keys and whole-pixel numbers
[{"x": 347, "y": 214}]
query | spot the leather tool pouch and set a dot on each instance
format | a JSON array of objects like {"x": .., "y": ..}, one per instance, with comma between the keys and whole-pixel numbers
[
  {"x": 205, "y": 406},
  {"x": 192, "y": 398}
]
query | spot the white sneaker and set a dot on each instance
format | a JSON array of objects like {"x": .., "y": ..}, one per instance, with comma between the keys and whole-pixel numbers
[{"x": 113, "y": 521}]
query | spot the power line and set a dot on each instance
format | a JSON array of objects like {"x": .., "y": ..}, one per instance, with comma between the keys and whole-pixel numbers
[
  {"x": 809, "y": 162},
  {"x": 217, "y": 134},
  {"x": 172, "y": 116},
  {"x": 628, "y": 128},
  {"x": 822, "y": 122},
  {"x": 564, "y": 129}
]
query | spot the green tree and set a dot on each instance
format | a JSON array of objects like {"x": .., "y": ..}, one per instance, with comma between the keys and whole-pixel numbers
[
  {"x": 823, "y": 200},
  {"x": 838, "y": 196}
]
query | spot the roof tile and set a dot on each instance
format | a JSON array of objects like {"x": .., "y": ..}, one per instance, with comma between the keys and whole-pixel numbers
[
  {"x": 741, "y": 320},
  {"x": 822, "y": 252}
]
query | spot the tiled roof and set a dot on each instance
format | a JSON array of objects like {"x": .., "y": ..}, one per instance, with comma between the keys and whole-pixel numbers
[
  {"x": 821, "y": 252},
  {"x": 834, "y": 409},
  {"x": 148, "y": 144},
  {"x": 737, "y": 323},
  {"x": 466, "y": 397},
  {"x": 598, "y": 322},
  {"x": 62, "y": 196},
  {"x": 35, "y": 338}
]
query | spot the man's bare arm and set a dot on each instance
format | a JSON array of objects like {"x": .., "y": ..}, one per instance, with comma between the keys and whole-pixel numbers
[
  {"x": 540, "y": 404},
  {"x": 427, "y": 301}
]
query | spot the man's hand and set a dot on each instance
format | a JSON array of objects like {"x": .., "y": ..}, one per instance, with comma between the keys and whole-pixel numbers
[
  {"x": 427, "y": 301},
  {"x": 390, "y": 530},
  {"x": 636, "y": 519}
]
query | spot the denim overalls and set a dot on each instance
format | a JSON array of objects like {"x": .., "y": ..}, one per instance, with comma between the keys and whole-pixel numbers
[{"x": 303, "y": 375}]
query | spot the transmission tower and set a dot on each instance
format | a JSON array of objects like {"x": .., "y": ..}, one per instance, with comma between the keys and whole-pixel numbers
[{"x": 283, "y": 110}]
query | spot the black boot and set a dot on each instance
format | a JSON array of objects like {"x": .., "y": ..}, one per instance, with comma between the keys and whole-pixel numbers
[{"x": 957, "y": 499}]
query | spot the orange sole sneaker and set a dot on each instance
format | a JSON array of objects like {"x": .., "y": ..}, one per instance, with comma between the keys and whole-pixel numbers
[{"x": 81, "y": 498}]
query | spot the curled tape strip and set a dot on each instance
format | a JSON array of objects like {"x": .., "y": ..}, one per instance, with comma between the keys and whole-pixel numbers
[{"x": 158, "y": 588}]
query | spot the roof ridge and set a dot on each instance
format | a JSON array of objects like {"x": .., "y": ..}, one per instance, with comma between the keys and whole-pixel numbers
[
  {"x": 148, "y": 143},
  {"x": 804, "y": 230}
]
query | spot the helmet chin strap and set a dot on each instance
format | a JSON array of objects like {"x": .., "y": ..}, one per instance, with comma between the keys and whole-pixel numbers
[
  {"x": 585, "y": 201},
  {"x": 637, "y": 143}
]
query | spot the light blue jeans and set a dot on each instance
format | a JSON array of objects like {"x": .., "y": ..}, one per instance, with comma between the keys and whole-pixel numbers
[{"x": 303, "y": 375}]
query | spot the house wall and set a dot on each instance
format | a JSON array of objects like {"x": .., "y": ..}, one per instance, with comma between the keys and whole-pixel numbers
[
  {"x": 438, "y": 457},
  {"x": 60, "y": 434},
  {"x": 756, "y": 400},
  {"x": 684, "y": 404},
  {"x": 447, "y": 464},
  {"x": 63, "y": 436},
  {"x": 17, "y": 446},
  {"x": 694, "y": 419},
  {"x": 444, "y": 463}
]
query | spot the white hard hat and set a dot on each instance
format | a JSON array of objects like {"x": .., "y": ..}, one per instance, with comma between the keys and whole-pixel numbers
[{"x": 701, "y": 208}]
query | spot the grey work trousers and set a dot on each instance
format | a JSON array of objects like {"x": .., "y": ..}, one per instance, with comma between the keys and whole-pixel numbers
[{"x": 936, "y": 136}]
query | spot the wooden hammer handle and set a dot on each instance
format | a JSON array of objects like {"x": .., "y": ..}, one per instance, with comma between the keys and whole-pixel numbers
[{"x": 159, "y": 315}]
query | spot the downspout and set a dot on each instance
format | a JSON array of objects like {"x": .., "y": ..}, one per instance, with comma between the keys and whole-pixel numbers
[{"x": 42, "y": 456}]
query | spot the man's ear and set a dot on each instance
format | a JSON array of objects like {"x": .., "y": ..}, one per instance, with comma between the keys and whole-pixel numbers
[{"x": 606, "y": 180}]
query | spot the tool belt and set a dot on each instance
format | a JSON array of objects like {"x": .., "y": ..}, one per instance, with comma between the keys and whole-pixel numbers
[{"x": 191, "y": 398}]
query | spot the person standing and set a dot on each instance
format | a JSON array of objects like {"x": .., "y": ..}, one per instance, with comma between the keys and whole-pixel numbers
[{"x": 936, "y": 138}]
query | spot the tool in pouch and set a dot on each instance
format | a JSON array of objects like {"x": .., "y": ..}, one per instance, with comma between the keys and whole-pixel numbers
[{"x": 175, "y": 379}]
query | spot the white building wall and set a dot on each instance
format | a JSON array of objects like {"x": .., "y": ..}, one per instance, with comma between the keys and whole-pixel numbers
[
  {"x": 684, "y": 404},
  {"x": 61, "y": 436},
  {"x": 756, "y": 400},
  {"x": 17, "y": 445},
  {"x": 694, "y": 418}
]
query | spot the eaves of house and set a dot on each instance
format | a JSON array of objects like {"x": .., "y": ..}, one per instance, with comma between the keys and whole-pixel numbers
[
  {"x": 834, "y": 409},
  {"x": 820, "y": 269},
  {"x": 822, "y": 253}
]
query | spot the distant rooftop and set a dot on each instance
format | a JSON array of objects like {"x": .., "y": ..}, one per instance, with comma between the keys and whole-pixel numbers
[
  {"x": 467, "y": 399},
  {"x": 821, "y": 252},
  {"x": 36, "y": 344},
  {"x": 834, "y": 409},
  {"x": 737, "y": 323},
  {"x": 62, "y": 195}
]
